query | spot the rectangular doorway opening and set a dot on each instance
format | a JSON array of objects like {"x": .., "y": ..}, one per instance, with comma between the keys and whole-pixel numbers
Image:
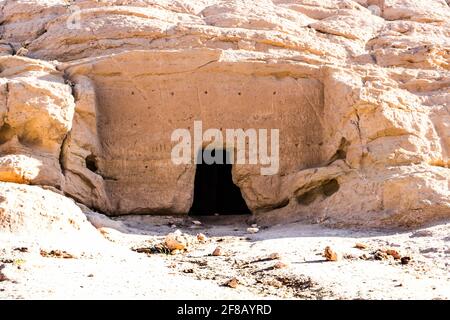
[{"x": 214, "y": 190}]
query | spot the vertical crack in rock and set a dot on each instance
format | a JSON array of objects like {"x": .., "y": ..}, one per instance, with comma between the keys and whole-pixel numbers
[
  {"x": 71, "y": 85},
  {"x": 13, "y": 50},
  {"x": 358, "y": 126},
  {"x": 341, "y": 152},
  {"x": 6, "y": 101},
  {"x": 5, "y": 128},
  {"x": 62, "y": 154}
]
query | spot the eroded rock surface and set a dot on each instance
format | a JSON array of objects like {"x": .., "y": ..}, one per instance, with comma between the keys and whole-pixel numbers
[
  {"x": 90, "y": 92},
  {"x": 35, "y": 214}
]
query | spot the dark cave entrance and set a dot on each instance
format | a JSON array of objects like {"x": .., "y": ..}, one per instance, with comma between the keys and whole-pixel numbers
[{"x": 214, "y": 190}]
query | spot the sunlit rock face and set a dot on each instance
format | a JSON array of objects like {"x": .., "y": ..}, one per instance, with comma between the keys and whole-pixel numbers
[
  {"x": 91, "y": 92},
  {"x": 140, "y": 105}
]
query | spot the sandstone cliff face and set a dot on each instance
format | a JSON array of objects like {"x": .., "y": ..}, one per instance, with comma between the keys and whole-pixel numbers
[{"x": 90, "y": 92}]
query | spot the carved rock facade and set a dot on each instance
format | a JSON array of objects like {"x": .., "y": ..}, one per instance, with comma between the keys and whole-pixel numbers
[{"x": 90, "y": 92}]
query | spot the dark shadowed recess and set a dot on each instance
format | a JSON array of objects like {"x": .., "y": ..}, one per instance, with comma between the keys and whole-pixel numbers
[{"x": 215, "y": 192}]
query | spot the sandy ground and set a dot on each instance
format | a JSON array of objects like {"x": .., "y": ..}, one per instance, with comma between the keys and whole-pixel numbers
[{"x": 112, "y": 270}]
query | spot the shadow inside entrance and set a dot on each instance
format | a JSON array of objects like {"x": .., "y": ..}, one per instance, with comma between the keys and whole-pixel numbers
[{"x": 214, "y": 190}]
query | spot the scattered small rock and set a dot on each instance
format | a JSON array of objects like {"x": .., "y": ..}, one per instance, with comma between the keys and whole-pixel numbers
[
  {"x": 197, "y": 223},
  {"x": 3, "y": 277},
  {"x": 252, "y": 230},
  {"x": 405, "y": 260},
  {"x": 429, "y": 250},
  {"x": 280, "y": 265},
  {"x": 274, "y": 283},
  {"x": 361, "y": 246},
  {"x": 201, "y": 237},
  {"x": 203, "y": 263},
  {"x": 349, "y": 256},
  {"x": 6, "y": 260},
  {"x": 392, "y": 244},
  {"x": 143, "y": 250},
  {"x": 274, "y": 256},
  {"x": 57, "y": 254},
  {"x": 218, "y": 252},
  {"x": 380, "y": 255},
  {"x": 393, "y": 253},
  {"x": 330, "y": 255},
  {"x": 189, "y": 270},
  {"x": 422, "y": 233},
  {"x": 174, "y": 241},
  {"x": 233, "y": 283}
]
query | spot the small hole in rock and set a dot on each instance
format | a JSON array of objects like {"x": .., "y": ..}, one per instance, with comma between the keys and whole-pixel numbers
[
  {"x": 330, "y": 188},
  {"x": 326, "y": 189},
  {"x": 307, "y": 198},
  {"x": 91, "y": 163}
]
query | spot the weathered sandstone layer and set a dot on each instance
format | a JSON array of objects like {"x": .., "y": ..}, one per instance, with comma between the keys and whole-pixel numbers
[{"x": 90, "y": 92}]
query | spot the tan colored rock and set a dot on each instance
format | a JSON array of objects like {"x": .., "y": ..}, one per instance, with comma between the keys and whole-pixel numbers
[
  {"x": 201, "y": 237},
  {"x": 233, "y": 283},
  {"x": 81, "y": 150},
  {"x": 175, "y": 242},
  {"x": 280, "y": 265},
  {"x": 252, "y": 230},
  {"x": 274, "y": 256},
  {"x": 394, "y": 254},
  {"x": 32, "y": 212},
  {"x": 359, "y": 90},
  {"x": 19, "y": 168},
  {"x": 355, "y": 25},
  {"x": 417, "y": 10},
  {"x": 330, "y": 254},
  {"x": 380, "y": 255},
  {"x": 361, "y": 246},
  {"x": 218, "y": 252},
  {"x": 37, "y": 113}
]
